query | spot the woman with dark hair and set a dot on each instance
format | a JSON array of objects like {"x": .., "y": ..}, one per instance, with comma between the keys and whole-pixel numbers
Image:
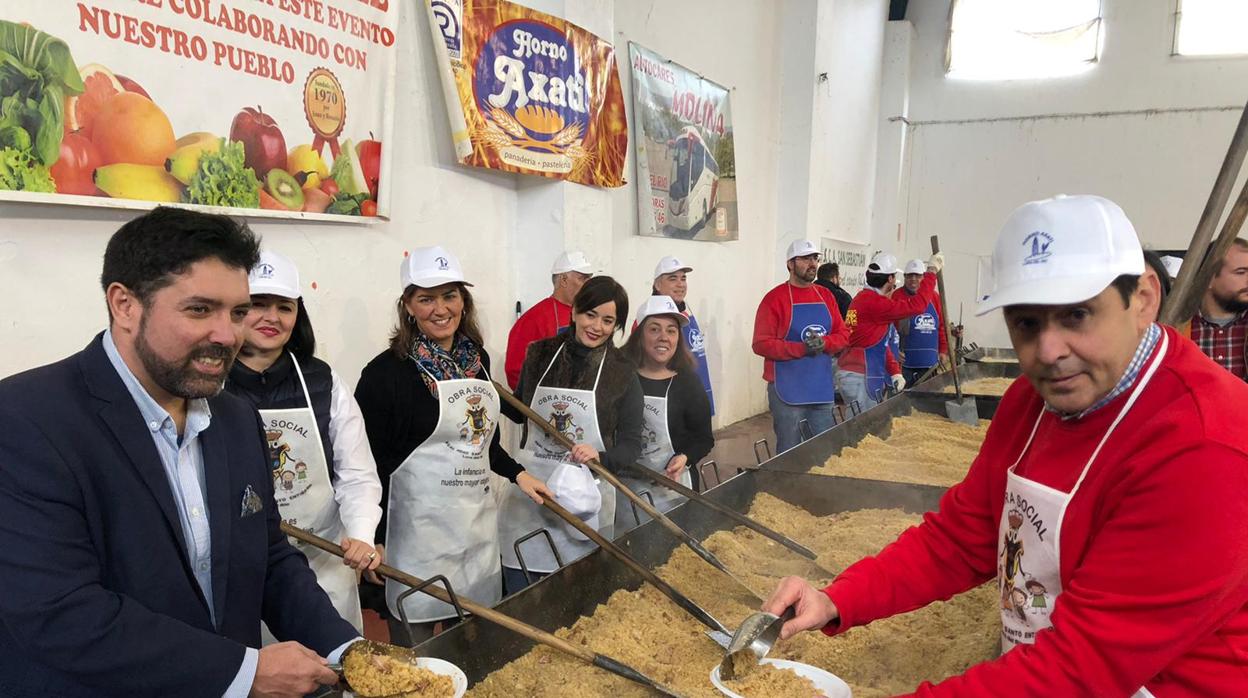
[
  {"x": 432, "y": 416},
  {"x": 324, "y": 477},
  {"x": 580, "y": 382},
  {"x": 677, "y": 432}
]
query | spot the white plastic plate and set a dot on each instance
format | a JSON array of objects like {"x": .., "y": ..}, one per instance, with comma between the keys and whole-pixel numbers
[{"x": 828, "y": 684}]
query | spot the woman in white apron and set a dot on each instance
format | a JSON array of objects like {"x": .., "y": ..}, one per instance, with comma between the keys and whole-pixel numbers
[
  {"x": 677, "y": 414},
  {"x": 588, "y": 389},
  {"x": 324, "y": 477},
  {"x": 432, "y": 416}
]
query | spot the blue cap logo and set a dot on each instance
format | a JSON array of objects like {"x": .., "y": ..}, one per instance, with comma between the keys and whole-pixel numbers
[
  {"x": 1039, "y": 242},
  {"x": 264, "y": 271},
  {"x": 443, "y": 265}
]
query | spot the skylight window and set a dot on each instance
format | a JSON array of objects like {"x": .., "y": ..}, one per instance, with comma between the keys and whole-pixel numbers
[
  {"x": 1023, "y": 39},
  {"x": 1211, "y": 28}
]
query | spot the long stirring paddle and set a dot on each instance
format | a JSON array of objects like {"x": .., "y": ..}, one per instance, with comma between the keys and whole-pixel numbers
[
  {"x": 517, "y": 626},
  {"x": 689, "y": 541},
  {"x": 680, "y": 599},
  {"x": 695, "y": 496}
]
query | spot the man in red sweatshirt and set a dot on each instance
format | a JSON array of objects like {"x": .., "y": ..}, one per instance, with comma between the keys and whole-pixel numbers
[
  {"x": 923, "y": 345},
  {"x": 549, "y": 315},
  {"x": 869, "y": 365},
  {"x": 1109, "y": 500},
  {"x": 797, "y": 331}
]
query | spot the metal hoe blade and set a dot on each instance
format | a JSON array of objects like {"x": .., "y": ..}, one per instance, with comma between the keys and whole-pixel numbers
[{"x": 964, "y": 411}]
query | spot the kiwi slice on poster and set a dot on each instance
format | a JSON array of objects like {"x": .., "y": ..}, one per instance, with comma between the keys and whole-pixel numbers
[{"x": 283, "y": 186}]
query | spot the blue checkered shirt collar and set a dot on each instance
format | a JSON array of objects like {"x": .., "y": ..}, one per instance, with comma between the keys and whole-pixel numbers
[{"x": 1151, "y": 336}]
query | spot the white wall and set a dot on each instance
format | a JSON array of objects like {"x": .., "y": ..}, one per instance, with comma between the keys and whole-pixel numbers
[
  {"x": 506, "y": 229},
  {"x": 1144, "y": 128}
]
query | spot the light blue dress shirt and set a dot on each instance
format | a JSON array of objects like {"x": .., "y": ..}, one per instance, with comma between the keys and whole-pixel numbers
[{"x": 183, "y": 460}]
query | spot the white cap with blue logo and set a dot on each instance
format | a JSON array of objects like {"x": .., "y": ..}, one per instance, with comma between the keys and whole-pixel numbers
[
  {"x": 428, "y": 267},
  {"x": 1061, "y": 250},
  {"x": 801, "y": 248},
  {"x": 660, "y": 305},
  {"x": 274, "y": 275}
]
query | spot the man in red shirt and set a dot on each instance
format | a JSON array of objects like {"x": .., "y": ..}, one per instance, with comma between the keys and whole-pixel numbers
[
  {"x": 797, "y": 331},
  {"x": 869, "y": 365},
  {"x": 1220, "y": 328},
  {"x": 923, "y": 345},
  {"x": 1108, "y": 501},
  {"x": 570, "y": 271}
]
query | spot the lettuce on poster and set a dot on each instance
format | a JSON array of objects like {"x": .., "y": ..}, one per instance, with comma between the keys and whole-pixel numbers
[{"x": 123, "y": 104}]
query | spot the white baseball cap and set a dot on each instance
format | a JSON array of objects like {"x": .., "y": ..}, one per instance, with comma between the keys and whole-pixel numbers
[
  {"x": 915, "y": 266},
  {"x": 427, "y": 267},
  {"x": 660, "y": 305},
  {"x": 1061, "y": 250},
  {"x": 669, "y": 265},
  {"x": 1172, "y": 265},
  {"x": 274, "y": 275},
  {"x": 801, "y": 248},
  {"x": 572, "y": 260},
  {"x": 884, "y": 263}
]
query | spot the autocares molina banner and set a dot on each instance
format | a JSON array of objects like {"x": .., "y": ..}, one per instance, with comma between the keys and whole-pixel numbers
[
  {"x": 529, "y": 93},
  {"x": 686, "y": 168},
  {"x": 264, "y": 107}
]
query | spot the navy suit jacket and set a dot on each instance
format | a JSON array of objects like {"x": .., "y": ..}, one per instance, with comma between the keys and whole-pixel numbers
[{"x": 97, "y": 596}]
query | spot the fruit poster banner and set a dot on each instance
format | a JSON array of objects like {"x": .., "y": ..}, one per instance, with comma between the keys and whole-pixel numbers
[
  {"x": 273, "y": 108},
  {"x": 529, "y": 93},
  {"x": 685, "y": 151}
]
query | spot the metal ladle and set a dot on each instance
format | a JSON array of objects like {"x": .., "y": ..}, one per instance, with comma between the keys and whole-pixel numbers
[{"x": 752, "y": 641}]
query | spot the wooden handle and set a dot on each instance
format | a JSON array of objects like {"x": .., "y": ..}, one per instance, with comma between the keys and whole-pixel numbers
[
  {"x": 668, "y": 590},
  {"x": 944, "y": 322},
  {"x": 689, "y": 541},
  {"x": 1188, "y": 290},
  {"x": 506, "y": 621},
  {"x": 597, "y": 467},
  {"x": 695, "y": 496}
]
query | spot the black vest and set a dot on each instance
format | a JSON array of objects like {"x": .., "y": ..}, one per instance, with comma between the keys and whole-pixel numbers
[{"x": 278, "y": 388}]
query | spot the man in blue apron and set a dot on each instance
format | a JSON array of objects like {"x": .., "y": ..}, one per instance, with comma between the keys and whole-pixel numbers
[
  {"x": 797, "y": 331},
  {"x": 670, "y": 280},
  {"x": 869, "y": 366},
  {"x": 922, "y": 342}
]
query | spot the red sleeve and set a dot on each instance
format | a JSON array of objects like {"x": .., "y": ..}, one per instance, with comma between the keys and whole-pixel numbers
[
  {"x": 770, "y": 325},
  {"x": 890, "y": 362},
  {"x": 522, "y": 334},
  {"x": 953, "y": 550},
  {"x": 941, "y": 330},
  {"x": 1149, "y": 588},
  {"x": 903, "y": 305},
  {"x": 838, "y": 337}
]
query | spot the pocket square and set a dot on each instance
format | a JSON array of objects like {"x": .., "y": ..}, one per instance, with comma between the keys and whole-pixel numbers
[{"x": 252, "y": 503}]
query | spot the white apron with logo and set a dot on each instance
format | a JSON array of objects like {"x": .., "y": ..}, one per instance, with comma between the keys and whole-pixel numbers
[
  {"x": 305, "y": 497},
  {"x": 1029, "y": 548},
  {"x": 441, "y": 517},
  {"x": 574, "y": 413},
  {"x": 656, "y": 451}
]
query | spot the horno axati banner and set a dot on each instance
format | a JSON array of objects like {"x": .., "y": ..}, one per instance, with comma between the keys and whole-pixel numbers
[{"x": 529, "y": 93}]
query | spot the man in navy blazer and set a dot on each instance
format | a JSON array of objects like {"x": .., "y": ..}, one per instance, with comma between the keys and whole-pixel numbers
[{"x": 140, "y": 546}]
